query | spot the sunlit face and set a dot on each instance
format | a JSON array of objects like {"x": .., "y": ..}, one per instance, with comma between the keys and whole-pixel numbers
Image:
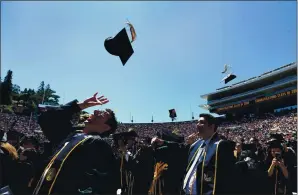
[
  {"x": 203, "y": 126},
  {"x": 238, "y": 147},
  {"x": 274, "y": 151},
  {"x": 98, "y": 118}
]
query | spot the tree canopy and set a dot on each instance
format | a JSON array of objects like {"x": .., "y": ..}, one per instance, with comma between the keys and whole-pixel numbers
[{"x": 11, "y": 94}]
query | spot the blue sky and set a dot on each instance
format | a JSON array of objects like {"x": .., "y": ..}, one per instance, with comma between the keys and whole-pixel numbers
[{"x": 179, "y": 52}]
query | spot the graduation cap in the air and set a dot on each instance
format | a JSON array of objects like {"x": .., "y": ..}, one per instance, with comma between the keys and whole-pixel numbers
[
  {"x": 172, "y": 113},
  {"x": 228, "y": 78},
  {"x": 120, "y": 45}
]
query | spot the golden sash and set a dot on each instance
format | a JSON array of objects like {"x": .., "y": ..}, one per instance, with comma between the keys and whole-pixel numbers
[{"x": 47, "y": 181}]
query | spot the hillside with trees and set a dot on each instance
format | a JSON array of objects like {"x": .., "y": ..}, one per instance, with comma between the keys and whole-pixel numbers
[{"x": 15, "y": 100}]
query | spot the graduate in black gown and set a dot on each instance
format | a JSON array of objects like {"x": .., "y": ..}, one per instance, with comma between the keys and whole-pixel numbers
[
  {"x": 211, "y": 163},
  {"x": 82, "y": 161}
]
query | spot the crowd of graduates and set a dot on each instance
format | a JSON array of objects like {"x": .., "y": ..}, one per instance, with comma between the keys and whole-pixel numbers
[{"x": 105, "y": 157}]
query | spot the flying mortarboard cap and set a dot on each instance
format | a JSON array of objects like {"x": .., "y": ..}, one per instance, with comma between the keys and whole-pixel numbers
[
  {"x": 229, "y": 78},
  {"x": 172, "y": 113},
  {"x": 120, "y": 46}
]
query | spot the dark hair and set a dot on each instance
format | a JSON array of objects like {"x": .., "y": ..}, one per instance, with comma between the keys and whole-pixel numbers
[
  {"x": 210, "y": 119},
  {"x": 112, "y": 121}
]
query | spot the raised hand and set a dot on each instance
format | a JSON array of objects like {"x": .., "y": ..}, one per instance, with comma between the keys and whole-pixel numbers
[
  {"x": 157, "y": 141},
  {"x": 191, "y": 138},
  {"x": 93, "y": 101}
]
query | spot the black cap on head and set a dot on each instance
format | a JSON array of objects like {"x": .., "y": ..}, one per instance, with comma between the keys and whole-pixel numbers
[
  {"x": 30, "y": 139},
  {"x": 14, "y": 135},
  {"x": 120, "y": 46},
  {"x": 167, "y": 135},
  {"x": 277, "y": 136},
  {"x": 273, "y": 143},
  {"x": 129, "y": 134}
]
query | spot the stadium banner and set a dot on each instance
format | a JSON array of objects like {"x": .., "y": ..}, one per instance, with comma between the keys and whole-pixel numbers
[
  {"x": 240, "y": 105},
  {"x": 279, "y": 95}
]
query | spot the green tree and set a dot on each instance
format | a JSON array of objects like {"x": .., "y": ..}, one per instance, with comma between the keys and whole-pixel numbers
[
  {"x": 50, "y": 97},
  {"x": 6, "y": 89},
  {"x": 16, "y": 89},
  {"x": 16, "y": 92},
  {"x": 28, "y": 96},
  {"x": 40, "y": 93}
]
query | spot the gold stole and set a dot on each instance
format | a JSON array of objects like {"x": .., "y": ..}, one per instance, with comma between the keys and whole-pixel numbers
[
  {"x": 215, "y": 172},
  {"x": 203, "y": 164},
  {"x": 50, "y": 174},
  {"x": 129, "y": 178},
  {"x": 235, "y": 153},
  {"x": 160, "y": 167}
]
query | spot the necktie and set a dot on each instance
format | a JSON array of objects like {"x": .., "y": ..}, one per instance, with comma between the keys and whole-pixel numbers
[{"x": 190, "y": 171}]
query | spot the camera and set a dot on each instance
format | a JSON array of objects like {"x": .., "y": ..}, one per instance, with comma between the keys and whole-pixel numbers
[{"x": 278, "y": 156}]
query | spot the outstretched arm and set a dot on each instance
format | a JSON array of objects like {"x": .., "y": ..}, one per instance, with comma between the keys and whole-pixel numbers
[{"x": 55, "y": 122}]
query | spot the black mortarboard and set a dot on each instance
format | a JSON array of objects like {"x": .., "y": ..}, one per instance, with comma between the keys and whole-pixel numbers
[
  {"x": 277, "y": 136},
  {"x": 120, "y": 46},
  {"x": 170, "y": 136},
  {"x": 13, "y": 135},
  {"x": 229, "y": 78},
  {"x": 30, "y": 139},
  {"x": 172, "y": 113},
  {"x": 129, "y": 133},
  {"x": 273, "y": 143}
]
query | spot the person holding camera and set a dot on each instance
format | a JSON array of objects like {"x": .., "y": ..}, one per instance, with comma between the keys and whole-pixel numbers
[{"x": 278, "y": 169}]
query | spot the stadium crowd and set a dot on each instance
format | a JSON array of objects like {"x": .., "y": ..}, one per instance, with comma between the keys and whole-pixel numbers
[
  {"x": 236, "y": 130},
  {"x": 249, "y": 137}
]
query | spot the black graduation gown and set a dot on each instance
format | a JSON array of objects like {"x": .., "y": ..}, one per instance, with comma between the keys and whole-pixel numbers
[
  {"x": 225, "y": 176},
  {"x": 176, "y": 158},
  {"x": 91, "y": 166}
]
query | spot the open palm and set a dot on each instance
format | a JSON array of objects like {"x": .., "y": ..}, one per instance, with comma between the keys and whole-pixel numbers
[{"x": 94, "y": 101}]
